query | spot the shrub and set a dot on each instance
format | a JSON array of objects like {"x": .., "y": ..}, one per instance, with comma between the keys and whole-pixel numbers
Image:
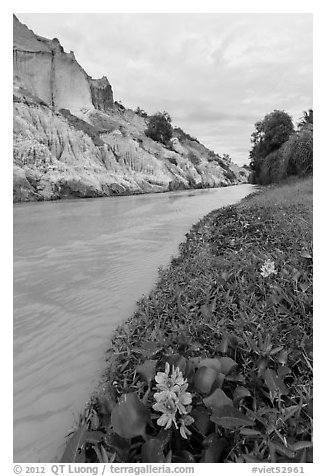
[
  {"x": 193, "y": 158},
  {"x": 213, "y": 157},
  {"x": 270, "y": 168},
  {"x": 173, "y": 161},
  {"x": 120, "y": 105},
  {"x": 297, "y": 154},
  {"x": 182, "y": 135},
  {"x": 270, "y": 134},
  {"x": 141, "y": 112},
  {"x": 230, "y": 175},
  {"x": 306, "y": 120},
  {"x": 160, "y": 128}
]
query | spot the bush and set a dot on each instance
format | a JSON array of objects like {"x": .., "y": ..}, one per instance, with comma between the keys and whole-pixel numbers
[
  {"x": 183, "y": 136},
  {"x": 141, "y": 112},
  {"x": 297, "y": 154},
  {"x": 193, "y": 158},
  {"x": 173, "y": 161},
  {"x": 160, "y": 128},
  {"x": 230, "y": 175},
  {"x": 270, "y": 170},
  {"x": 270, "y": 134}
]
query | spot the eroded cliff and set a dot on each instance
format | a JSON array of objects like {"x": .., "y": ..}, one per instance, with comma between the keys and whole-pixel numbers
[{"x": 72, "y": 140}]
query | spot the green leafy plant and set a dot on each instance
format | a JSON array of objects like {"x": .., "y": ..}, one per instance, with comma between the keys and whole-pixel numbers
[{"x": 216, "y": 363}]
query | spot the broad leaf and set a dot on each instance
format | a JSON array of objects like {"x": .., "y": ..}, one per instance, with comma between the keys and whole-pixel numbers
[
  {"x": 230, "y": 418},
  {"x": 98, "y": 454},
  {"x": 275, "y": 383},
  {"x": 204, "y": 379},
  {"x": 147, "y": 370},
  {"x": 289, "y": 412},
  {"x": 74, "y": 452},
  {"x": 262, "y": 365},
  {"x": 240, "y": 392},
  {"x": 276, "y": 350},
  {"x": 104, "y": 406},
  {"x": 190, "y": 371},
  {"x": 251, "y": 459},
  {"x": 211, "y": 363},
  {"x": 235, "y": 378},
  {"x": 282, "y": 357},
  {"x": 224, "y": 344},
  {"x": 94, "y": 437},
  {"x": 177, "y": 360},
  {"x": 164, "y": 436},
  {"x": 283, "y": 370},
  {"x": 152, "y": 451},
  {"x": 202, "y": 419},
  {"x": 95, "y": 421},
  {"x": 130, "y": 416},
  {"x": 300, "y": 445},
  {"x": 104, "y": 454},
  {"x": 183, "y": 456},
  {"x": 281, "y": 449},
  {"x": 227, "y": 365},
  {"x": 218, "y": 399},
  {"x": 147, "y": 349},
  {"x": 214, "y": 451},
  {"x": 219, "y": 380},
  {"x": 119, "y": 444}
]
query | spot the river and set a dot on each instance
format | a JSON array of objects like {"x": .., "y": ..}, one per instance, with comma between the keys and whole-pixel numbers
[{"x": 79, "y": 268}]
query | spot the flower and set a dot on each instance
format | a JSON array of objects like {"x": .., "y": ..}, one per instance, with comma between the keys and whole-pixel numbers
[
  {"x": 164, "y": 382},
  {"x": 169, "y": 410},
  {"x": 185, "y": 420},
  {"x": 268, "y": 268},
  {"x": 183, "y": 399},
  {"x": 172, "y": 397}
]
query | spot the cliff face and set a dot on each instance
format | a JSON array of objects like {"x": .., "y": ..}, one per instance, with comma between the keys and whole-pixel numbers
[
  {"x": 42, "y": 68},
  {"x": 72, "y": 140}
]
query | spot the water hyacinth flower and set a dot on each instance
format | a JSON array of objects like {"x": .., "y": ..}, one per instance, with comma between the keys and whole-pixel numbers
[
  {"x": 172, "y": 398},
  {"x": 268, "y": 268},
  {"x": 184, "y": 400},
  {"x": 169, "y": 410},
  {"x": 185, "y": 420},
  {"x": 166, "y": 382}
]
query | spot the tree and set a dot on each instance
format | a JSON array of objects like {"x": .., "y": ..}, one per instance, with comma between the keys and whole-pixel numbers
[
  {"x": 306, "y": 120},
  {"x": 273, "y": 131},
  {"x": 159, "y": 127}
]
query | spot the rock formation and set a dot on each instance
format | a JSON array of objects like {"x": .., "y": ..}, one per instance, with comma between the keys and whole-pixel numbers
[{"x": 72, "y": 140}]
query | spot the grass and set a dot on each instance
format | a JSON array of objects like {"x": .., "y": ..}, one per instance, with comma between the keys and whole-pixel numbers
[{"x": 213, "y": 302}]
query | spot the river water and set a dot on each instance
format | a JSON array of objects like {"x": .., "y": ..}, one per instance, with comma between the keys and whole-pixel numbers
[{"x": 79, "y": 268}]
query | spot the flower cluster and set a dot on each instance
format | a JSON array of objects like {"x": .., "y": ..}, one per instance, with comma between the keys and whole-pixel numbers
[
  {"x": 268, "y": 268},
  {"x": 172, "y": 398}
]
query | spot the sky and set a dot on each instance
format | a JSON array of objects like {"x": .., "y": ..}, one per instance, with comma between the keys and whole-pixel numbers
[{"x": 216, "y": 74}]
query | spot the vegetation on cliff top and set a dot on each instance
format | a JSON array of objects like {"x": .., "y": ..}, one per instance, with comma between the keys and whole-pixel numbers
[
  {"x": 233, "y": 313},
  {"x": 159, "y": 127}
]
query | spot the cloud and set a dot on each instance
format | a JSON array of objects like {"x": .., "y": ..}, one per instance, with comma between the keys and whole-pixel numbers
[{"x": 216, "y": 74}]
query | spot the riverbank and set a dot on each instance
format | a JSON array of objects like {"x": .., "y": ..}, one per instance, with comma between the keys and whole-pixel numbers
[
  {"x": 116, "y": 190},
  {"x": 239, "y": 294}
]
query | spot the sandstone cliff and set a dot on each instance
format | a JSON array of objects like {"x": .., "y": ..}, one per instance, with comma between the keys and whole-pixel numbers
[{"x": 72, "y": 140}]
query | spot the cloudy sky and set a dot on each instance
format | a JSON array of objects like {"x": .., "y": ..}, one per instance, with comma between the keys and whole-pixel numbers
[{"x": 216, "y": 74}]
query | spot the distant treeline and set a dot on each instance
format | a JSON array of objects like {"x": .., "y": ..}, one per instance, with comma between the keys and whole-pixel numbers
[{"x": 279, "y": 150}]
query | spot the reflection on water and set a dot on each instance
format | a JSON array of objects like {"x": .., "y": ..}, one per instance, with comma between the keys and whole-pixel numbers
[{"x": 79, "y": 268}]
